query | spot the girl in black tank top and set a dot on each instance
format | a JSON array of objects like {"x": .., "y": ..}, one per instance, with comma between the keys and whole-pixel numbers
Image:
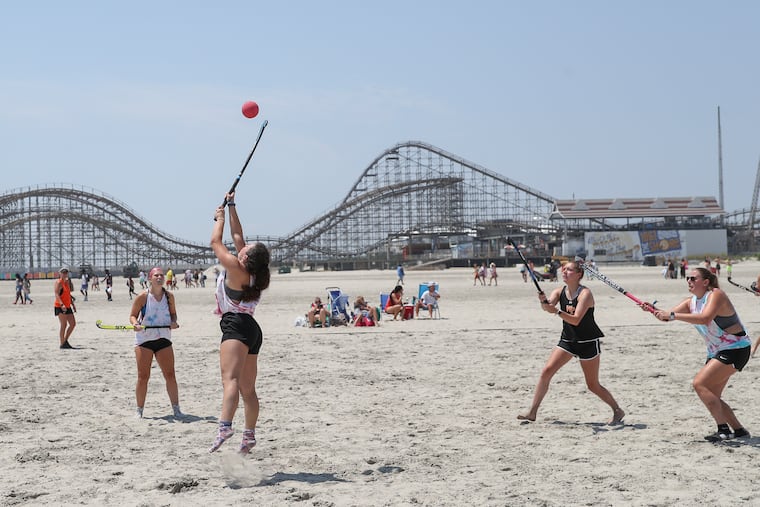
[{"x": 580, "y": 338}]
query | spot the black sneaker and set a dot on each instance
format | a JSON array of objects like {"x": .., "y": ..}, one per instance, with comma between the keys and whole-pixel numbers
[
  {"x": 66, "y": 345},
  {"x": 719, "y": 436},
  {"x": 741, "y": 433}
]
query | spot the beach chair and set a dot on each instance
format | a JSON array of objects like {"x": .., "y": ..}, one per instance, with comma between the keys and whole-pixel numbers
[
  {"x": 340, "y": 315},
  {"x": 383, "y": 300},
  {"x": 423, "y": 287}
]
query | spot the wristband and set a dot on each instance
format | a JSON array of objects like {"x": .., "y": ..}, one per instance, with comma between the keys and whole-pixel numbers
[{"x": 230, "y": 204}]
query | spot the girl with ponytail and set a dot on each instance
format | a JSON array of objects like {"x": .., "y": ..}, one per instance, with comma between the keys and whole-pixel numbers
[{"x": 238, "y": 291}]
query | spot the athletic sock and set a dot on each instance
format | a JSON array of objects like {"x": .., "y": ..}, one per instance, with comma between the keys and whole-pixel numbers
[
  {"x": 248, "y": 443},
  {"x": 723, "y": 428},
  {"x": 177, "y": 411},
  {"x": 223, "y": 433}
]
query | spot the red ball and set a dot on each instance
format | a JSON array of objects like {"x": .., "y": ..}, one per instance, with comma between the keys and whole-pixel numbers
[{"x": 250, "y": 109}]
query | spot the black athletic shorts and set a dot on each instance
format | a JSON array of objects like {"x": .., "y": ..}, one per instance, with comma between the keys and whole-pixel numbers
[
  {"x": 583, "y": 351},
  {"x": 58, "y": 310},
  {"x": 242, "y": 327},
  {"x": 156, "y": 345},
  {"x": 736, "y": 357}
]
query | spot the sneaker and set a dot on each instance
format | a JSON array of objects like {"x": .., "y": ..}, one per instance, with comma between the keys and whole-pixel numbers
[
  {"x": 224, "y": 433},
  {"x": 139, "y": 413},
  {"x": 741, "y": 433},
  {"x": 719, "y": 436},
  {"x": 248, "y": 443},
  {"x": 66, "y": 345}
]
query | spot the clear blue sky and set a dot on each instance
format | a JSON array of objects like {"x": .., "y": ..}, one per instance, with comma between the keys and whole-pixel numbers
[{"x": 141, "y": 99}]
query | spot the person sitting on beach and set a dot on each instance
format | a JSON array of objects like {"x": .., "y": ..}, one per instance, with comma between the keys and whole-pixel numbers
[
  {"x": 580, "y": 338},
  {"x": 317, "y": 313},
  {"x": 366, "y": 315},
  {"x": 427, "y": 301},
  {"x": 395, "y": 304},
  {"x": 711, "y": 312}
]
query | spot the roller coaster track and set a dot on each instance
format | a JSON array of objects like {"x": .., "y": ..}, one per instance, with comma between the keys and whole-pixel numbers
[
  {"x": 415, "y": 189},
  {"x": 412, "y": 192},
  {"x": 42, "y": 228}
]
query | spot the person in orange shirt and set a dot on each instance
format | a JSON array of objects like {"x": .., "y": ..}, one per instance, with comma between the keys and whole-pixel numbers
[{"x": 64, "y": 308}]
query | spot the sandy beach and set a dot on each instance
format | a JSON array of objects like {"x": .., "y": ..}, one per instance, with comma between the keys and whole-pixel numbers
[{"x": 419, "y": 412}]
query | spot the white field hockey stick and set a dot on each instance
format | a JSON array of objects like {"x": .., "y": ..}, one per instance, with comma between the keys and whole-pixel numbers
[
  {"x": 753, "y": 291},
  {"x": 596, "y": 274}
]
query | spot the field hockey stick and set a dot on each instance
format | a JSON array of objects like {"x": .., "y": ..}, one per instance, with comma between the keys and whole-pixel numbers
[
  {"x": 530, "y": 271},
  {"x": 748, "y": 289},
  {"x": 596, "y": 274},
  {"x": 100, "y": 325},
  {"x": 245, "y": 166}
]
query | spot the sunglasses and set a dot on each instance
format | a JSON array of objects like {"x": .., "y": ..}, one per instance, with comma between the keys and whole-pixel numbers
[{"x": 691, "y": 278}]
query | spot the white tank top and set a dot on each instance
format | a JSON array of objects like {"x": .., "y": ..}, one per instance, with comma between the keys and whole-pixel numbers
[
  {"x": 226, "y": 305},
  {"x": 156, "y": 314}
]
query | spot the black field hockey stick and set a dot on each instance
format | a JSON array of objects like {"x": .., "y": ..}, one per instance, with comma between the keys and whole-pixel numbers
[
  {"x": 596, "y": 274},
  {"x": 245, "y": 165},
  {"x": 748, "y": 289},
  {"x": 530, "y": 271},
  {"x": 100, "y": 325}
]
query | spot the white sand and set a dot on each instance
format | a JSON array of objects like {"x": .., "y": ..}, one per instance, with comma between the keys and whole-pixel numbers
[{"x": 417, "y": 412}]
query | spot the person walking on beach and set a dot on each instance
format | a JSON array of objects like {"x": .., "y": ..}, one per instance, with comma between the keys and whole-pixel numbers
[
  {"x": 492, "y": 275},
  {"x": 476, "y": 275},
  {"x": 27, "y": 289},
  {"x": 131, "y": 287},
  {"x": 154, "y": 307},
  {"x": 109, "y": 284},
  {"x": 84, "y": 284},
  {"x": 728, "y": 347},
  {"x": 400, "y": 274},
  {"x": 19, "y": 289},
  {"x": 580, "y": 338},
  {"x": 64, "y": 308},
  {"x": 238, "y": 292}
]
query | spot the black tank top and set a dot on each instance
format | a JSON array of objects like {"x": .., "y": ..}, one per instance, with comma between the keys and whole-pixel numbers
[{"x": 586, "y": 328}]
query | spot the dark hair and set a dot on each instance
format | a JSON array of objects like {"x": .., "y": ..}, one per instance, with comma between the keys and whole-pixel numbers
[
  {"x": 257, "y": 265},
  {"x": 709, "y": 276},
  {"x": 398, "y": 289}
]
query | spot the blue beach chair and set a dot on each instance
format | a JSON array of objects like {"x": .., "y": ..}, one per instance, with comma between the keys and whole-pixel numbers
[{"x": 340, "y": 314}]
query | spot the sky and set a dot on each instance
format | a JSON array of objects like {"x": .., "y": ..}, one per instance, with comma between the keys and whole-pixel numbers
[{"x": 142, "y": 100}]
